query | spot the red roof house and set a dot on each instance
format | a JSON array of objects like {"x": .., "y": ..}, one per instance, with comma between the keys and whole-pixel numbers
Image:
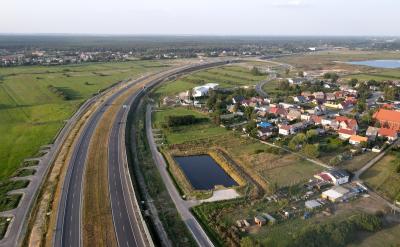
[{"x": 388, "y": 118}]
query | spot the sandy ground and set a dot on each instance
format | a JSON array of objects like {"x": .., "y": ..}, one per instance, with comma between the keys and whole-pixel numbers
[{"x": 220, "y": 195}]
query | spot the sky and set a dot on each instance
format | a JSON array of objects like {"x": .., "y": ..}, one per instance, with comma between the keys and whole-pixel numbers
[{"x": 202, "y": 17}]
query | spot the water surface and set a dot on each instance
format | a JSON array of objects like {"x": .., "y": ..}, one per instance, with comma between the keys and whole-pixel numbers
[
  {"x": 203, "y": 172},
  {"x": 386, "y": 64}
]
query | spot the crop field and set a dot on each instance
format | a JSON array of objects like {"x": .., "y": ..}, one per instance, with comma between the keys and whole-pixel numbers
[
  {"x": 35, "y": 101},
  {"x": 383, "y": 176},
  {"x": 229, "y": 76}
]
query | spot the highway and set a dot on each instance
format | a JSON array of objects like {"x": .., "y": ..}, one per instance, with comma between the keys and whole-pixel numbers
[
  {"x": 68, "y": 229},
  {"x": 127, "y": 218}
]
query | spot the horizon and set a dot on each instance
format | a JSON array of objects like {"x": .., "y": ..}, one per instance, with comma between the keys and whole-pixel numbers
[{"x": 208, "y": 18}]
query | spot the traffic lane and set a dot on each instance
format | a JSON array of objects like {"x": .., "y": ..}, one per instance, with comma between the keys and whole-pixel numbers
[{"x": 126, "y": 233}]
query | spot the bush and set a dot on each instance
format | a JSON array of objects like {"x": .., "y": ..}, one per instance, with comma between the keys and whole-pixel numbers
[{"x": 174, "y": 121}]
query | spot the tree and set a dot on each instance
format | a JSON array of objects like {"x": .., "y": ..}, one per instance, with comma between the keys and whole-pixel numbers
[
  {"x": 248, "y": 111},
  {"x": 311, "y": 135},
  {"x": 361, "y": 106},
  {"x": 300, "y": 73},
  {"x": 353, "y": 82},
  {"x": 287, "y": 71},
  {"x": 284, "y": 85},
  {"x": 311, "y": 150}
]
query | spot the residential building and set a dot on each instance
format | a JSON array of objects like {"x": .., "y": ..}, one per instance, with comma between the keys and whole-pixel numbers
[
  {"x": 345, "y": 134},
  {"x": 390, "y": 134},
  {"x": 388, "y": 118},
  {"x": 293, "y": 114},
  {"x": 286, "y": 130},
  {"x": 335, "y": 177},
  {"x": 347, "y": 123},
  {"x": 357, "y": 140},
  {"x": 371, "y": 133}
]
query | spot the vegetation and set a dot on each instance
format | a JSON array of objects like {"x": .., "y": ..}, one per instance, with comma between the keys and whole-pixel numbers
[
  {"x": 3, "y": 226},
  {"x": 175, "y": 121},
  {"x": 170, "y": 218},
  {"x": 384, "y": 176},
  {"x": 336, "y": 233},
  {"x": 33, "y": 103},
  {"x": 8, "y": 202}
]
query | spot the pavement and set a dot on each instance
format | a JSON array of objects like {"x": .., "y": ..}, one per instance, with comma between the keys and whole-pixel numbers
[
  {"x": 129, "y": 225},
  {"x": 182, "y": 206}
]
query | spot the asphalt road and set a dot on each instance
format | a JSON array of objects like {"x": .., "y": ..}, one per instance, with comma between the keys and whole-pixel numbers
[
  {"x": 182, "y": 206},
  {"x": 128, "y": 221},
  {"x": 68, "y": 229},
  {"x": 129, "y": 226}
]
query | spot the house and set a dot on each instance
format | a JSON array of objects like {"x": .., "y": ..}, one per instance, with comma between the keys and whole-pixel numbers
[
  {"x": 330, "y": 96},
  {"x": 305, "y": 117},
  {"x": 345, "y": 134},
  {"x": 300, "y": 99},
  {"x": 293, "y": 114},
  {"x": 264, "y": 125},
  {"x": 390, "y": 134},
  {"x": 271, "y": 220},
  {"x": 286, "y": 105},
  {"x": 316, "y": 119},
  {"x": 201, "y": 91},
  {"x": 286, "y": 130},
  {"x": 335, "y": 193},
  {"x": 357, "y": 140},
  {"x": 278, "y": 111},
  {"x": 347, "y": 123},
  {"x": 312, "y": 204},
  {"x": 388, "y": 118},
  {"x": 335, "y": 177},
  {"x": 237, "y": 99},
  {"x": 319, "y": 95},
  {"x": 371, "y": 133},
  {"x": 265, "y": 132},
  {"x": 259, "y": 220}
]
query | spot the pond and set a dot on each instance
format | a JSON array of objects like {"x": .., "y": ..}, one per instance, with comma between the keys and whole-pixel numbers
[
  {"x": 386, "y": 64},
  {"x": 203, "y": 172}
]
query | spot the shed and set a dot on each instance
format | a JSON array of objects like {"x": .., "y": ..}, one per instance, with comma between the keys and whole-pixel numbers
[
  {"x": 335, "y": 193},
  {"x": 311, "y": 204},
  {"x": 259, "y": 220},
  {"x": 270, "y": 219}
]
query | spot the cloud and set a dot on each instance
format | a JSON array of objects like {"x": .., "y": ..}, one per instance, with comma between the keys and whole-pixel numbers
[{"x": 290, "y": 4}]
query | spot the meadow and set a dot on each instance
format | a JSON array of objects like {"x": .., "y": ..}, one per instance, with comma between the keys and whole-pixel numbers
[
  {"x": 35, "y": 101},
  {"x": 383, "y": 176},
  {"x": 230, "y": 76}
]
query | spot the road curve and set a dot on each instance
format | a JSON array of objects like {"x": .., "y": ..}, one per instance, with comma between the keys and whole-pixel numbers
[{"x": 68, "y": 230}]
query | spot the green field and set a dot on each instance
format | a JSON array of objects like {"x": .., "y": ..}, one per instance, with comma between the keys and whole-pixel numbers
[
  {"x": 383, "y": 176},
  {"x": 187, "y": 133},
  {"x": 226, "y": 76},
  {"x": 387, "y": 74},
  {"x": 31, "y": 114}
]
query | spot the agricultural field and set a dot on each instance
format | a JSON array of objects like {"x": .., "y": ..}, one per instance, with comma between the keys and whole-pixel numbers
[
  {"x": 230, "y": 76},
  {"x": 36, "y": 100},
  {"x": 383, "y": 176}
]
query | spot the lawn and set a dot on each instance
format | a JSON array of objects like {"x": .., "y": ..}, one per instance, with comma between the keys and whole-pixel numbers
[
  {"x": 31, "y": 113},
  {"x": 383, "y": 176},
  {"x": 186, "y": 133},
  {"x": 228, "y": 76}
]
